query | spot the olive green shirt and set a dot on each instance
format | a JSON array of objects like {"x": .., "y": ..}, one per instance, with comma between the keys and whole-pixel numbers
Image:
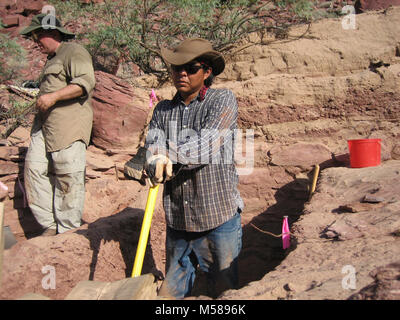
[{"x": 69, "y": 120}]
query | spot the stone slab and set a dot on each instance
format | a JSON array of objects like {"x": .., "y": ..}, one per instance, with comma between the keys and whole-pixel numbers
[
  {"x": 33, "y": 296},
  {"x": 138, "y": 288}
]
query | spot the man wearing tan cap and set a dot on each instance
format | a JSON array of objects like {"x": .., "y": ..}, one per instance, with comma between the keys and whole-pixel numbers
[
  {"x": 190, "y": 144},
  {"x": 54, "y": 171}
]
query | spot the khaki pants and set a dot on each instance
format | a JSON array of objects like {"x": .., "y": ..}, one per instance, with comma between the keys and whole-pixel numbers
[{"x": 55, "y": 184}]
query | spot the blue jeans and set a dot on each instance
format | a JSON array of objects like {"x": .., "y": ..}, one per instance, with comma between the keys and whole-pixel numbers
[{"x": 215, "y": 252}]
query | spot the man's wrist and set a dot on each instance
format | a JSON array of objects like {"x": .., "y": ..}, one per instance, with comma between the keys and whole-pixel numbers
[{"x": 55, "y": 96}]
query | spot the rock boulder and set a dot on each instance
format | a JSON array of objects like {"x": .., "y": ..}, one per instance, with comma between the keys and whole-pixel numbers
[
  {"x": 364, "y": 5},
  {"x": 386, "y": 285},
  {"x": 102, "y": 251},
  {"x": 119, "y": 114}
]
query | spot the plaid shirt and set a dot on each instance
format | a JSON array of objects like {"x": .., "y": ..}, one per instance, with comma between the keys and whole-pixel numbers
[{"x": 199, "y": 139}]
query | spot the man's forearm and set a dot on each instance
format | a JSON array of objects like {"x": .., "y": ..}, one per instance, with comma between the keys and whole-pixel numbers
[
  {"x": 69, "y": 92},
  {"x": 48, "y": 100}
]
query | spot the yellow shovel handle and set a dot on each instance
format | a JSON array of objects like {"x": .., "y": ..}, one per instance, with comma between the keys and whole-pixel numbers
[{"x": 144, "y": 233}]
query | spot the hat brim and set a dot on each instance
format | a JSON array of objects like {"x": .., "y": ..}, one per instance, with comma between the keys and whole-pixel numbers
[
  {"x": 180, "y": 58},
  {"x": 28, "y": 31}
]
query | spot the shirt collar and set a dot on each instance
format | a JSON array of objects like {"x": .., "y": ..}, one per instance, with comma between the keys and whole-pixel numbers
[
  {"x": 52, "y": 55},
  {"x": 201, "y": 96}
]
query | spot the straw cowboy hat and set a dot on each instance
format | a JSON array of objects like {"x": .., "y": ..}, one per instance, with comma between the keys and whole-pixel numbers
[
  {"x": 50, "y": 23},
  {"x": 191, "y": 49}
]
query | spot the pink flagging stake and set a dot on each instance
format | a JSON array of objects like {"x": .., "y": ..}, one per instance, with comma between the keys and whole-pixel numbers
[
  {"x": 285, "y": 233},
  {"x": 153, "y": 97}
]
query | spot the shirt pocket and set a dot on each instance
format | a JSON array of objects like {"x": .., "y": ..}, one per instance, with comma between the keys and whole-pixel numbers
[
  {"x": 53, "y": 69},
  {"x": 53, "y": 78}
]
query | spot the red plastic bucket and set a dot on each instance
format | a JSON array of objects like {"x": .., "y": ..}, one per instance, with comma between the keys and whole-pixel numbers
[{"x": 364, "y": 152}]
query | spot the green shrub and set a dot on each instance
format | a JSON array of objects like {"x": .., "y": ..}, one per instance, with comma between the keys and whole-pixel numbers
[
  {"x": 12, "y": 57},
  {"x": 135, "y": 30}
]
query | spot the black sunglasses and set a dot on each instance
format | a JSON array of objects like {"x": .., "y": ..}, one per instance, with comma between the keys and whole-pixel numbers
[{"x": 189, "y": 68}]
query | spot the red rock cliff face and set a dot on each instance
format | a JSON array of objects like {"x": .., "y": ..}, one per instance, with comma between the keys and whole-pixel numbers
[
  {"x": 365, "y": 5},
  {"x": 16, "y": 13},
  {"x": 119, "y": 113}
]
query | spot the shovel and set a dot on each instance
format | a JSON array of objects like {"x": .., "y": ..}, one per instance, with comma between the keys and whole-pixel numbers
[
  {"x": 134, "y": 169},
  {"x": 144, "y": 232}
]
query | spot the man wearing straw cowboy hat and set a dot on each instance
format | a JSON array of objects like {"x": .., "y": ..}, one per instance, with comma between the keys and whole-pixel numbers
[
  {"x": 56, "y": 158},
  {"x": 189, "y": 147}
]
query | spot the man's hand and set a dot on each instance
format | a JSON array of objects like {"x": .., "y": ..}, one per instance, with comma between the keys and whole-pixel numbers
[
  {"x": 159, "y": 169},
  {"x": 46, "y": 101}
]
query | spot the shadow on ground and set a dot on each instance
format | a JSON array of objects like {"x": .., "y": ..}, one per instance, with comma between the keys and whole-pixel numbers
[
  {"x": 124, "y": 228},
  {"x": 261, "y": 252}
]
